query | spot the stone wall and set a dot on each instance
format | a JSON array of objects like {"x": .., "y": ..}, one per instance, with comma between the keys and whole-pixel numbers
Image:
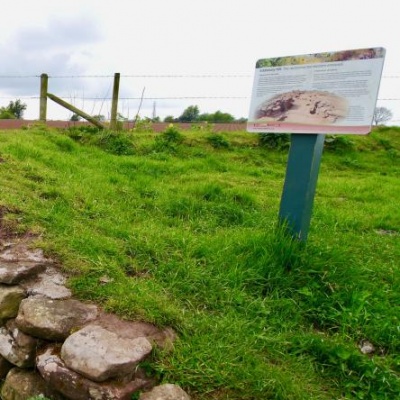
[{"x": 62, "y": 348}]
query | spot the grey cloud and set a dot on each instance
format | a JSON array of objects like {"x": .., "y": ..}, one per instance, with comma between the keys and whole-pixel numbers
[
  {"x": 59, "y": 33},
  {"x": 58, "y": 48},
  {"x": 27, "y": 67}
]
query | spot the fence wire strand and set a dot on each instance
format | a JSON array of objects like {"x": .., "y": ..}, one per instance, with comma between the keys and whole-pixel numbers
[{"x": 157, "y": 76}]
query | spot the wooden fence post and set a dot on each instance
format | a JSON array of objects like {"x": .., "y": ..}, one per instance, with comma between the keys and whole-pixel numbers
[
  {"x": 44, "y": 78},
  {"x": 114, "y": 106},
  {"x": 75, "y": 110}
]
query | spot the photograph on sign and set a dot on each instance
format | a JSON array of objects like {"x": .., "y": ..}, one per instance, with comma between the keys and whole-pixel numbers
[{"x": 332, "y": 92}]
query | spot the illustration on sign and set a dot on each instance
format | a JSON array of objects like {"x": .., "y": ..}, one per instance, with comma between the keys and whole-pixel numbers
[{"x": 333, "y": 92}]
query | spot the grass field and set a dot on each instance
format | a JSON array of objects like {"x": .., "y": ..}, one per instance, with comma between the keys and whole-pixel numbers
[{"x": 184, "y": 227}]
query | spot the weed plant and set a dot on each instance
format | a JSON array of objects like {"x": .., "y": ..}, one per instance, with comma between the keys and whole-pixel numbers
[
  {"x": 218, "y": 141},
  {"x": 143, "y": 125},
  {"x": 338, "y": 143},
  {"x": 188, "y": 233},
  {"x": 280, "y": 141}
]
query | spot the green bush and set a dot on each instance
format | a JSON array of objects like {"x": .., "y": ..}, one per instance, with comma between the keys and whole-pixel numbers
[
  {"x": 339, "y": 143},
  {"x": 218, "y": 141},
  {"x": 172, "y": 135},
  {"x": 277, "y": 141},
  {"x": 118, "y": 143},
  {"x": 114, "y": 142},
  {"x": 169, "y": 140},
  {"x": 6, "y": 114},
  {"x": 78, "y": 132},
  {"x": 143, "y": 125}
]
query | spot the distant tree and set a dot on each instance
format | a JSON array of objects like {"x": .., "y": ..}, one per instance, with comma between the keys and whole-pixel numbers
[
  {"x": 99, "y": 117},
  {"x": 217, "y": 117},
  {"x": 169, "y": 118},
  {"x": 205, "y": 117},
  {"x": 75, "y": 117},
  {"x": 191, "y": 114},
  {"x": 381, "y": 115},
  {"x": 14, "y": 110},
  {"x": 222, "y": 117},
  {"x": 6, "y": 114}
]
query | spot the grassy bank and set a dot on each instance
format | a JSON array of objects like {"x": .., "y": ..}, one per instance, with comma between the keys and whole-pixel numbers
[{"x": 183, "y": 226}]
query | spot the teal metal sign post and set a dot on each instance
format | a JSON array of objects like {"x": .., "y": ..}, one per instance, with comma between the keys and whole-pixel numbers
[
  {"x": 300, "y": 183},
  {"x": 311, "y": 95}
]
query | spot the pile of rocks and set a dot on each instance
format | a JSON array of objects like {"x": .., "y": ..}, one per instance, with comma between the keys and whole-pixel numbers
[
  {"x": 277, "y": 106},
  {"x": 61, "y": 348}
]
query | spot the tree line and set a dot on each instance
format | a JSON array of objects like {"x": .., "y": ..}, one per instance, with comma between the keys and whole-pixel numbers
[
  {"x": 192, "y": 114},
  {"x": 16, "y": 109}
]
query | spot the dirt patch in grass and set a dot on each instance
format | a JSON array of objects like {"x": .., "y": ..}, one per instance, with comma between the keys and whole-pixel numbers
[{"x": 8, "y": 223}]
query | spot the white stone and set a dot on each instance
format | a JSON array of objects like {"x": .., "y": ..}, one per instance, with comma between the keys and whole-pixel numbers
[
  {"x": 99, "y": 354},
  {"x": 165, "y": 392}
]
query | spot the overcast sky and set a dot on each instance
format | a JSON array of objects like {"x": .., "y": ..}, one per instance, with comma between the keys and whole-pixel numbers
[{"x": 178, "y": 37}]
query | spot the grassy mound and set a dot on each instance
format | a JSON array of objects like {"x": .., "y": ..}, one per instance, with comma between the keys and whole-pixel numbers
[{"x": 184, "y": 225}]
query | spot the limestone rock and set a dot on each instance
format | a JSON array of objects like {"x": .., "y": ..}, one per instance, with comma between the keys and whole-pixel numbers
[
  {"x": 17, "y": 347},
  {"x": 10, "y": 299},
  {"x": 53, "y": 319},
  {"x": 99, "y": 354},
  {"x": 135, "y": 329},
  {"x": 165, "y": 392},
  {"x": 20, "y": 250},
  {"x": 12, "y": 272},
  {"x": 49, "y": 283},
  {"x": 75, "y": 387},
  {"x": 21, "y": 385},
  {"x": 367, "y": 347}
]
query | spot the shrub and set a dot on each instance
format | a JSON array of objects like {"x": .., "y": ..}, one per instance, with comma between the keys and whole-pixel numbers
[
  {"x": 6, "y": 114},
  {"x": 172, "y": 135},
  {"x": 78, "y": 132},
  {"x": 339, "y": 143},
  {"x": 277, "y": 141},
  {"x": 143, "y": 125},
  {"x": 118, "y": 143},
  {"x": 114, "y": 142},
  {"x": 169, "y": 140},
  {"x": 218, "y": 141}
]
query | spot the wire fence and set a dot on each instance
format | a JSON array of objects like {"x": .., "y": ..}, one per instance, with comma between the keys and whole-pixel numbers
[{"x": 167, "y": 99}]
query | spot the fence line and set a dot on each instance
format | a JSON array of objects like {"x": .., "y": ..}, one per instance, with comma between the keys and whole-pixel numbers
[
  {"x": 156, "y": 98},
  {"x": 133, "y": 76},
  {"x": 169, "y": 76},
  {"x": 107, "y": 98},
  {"x": 155, "y": 126}
]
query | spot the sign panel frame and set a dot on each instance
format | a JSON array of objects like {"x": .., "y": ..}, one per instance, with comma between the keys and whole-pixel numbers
[{"x": 321, "y": 93}]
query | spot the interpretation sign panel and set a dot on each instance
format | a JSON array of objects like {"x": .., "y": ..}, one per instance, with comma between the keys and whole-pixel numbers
[{"x": 333, "y": 92}]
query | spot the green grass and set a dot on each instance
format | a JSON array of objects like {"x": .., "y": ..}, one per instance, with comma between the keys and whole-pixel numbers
[{"x": 185, "y": 224}]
